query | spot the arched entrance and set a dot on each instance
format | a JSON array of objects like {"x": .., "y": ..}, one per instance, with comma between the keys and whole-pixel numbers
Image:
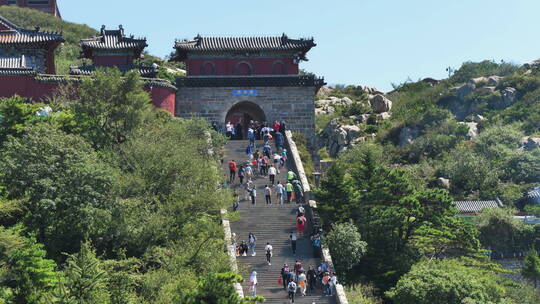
[{"x": 241, "y": 114}]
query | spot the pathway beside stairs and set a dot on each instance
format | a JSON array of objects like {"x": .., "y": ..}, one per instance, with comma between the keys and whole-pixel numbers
[{"x": 270, "y": 223}]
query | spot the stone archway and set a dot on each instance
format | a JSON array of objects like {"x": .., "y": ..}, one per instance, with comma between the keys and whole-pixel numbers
[{"x": 243, "y": 112}]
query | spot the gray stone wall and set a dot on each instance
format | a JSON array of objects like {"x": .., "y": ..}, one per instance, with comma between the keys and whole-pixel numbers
[{"x": 295, "y": 105}]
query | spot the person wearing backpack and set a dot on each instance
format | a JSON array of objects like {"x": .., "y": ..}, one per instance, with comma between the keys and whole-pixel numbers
[
  {"x": 268, "y": 250},
  {"x": 291, "y": 288},
  {"x": 241, "y": 174},
  {"x": 298, "y": 191},
  {"x": 291, "y": 176}
]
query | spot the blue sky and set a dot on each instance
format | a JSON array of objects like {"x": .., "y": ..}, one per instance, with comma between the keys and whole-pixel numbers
[{"x": 373, "y": 43}]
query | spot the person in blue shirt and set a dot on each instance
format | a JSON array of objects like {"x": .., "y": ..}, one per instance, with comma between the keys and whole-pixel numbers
[
  {"x": 267, "y": 150},
  {"x": 249, "y": 151},
  {"x": 279, "y": 140},
  {"x": 251, "y": 135}
]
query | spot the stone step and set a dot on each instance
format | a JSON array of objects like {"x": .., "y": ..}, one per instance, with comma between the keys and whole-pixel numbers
[{"x": 270, "y": 223}]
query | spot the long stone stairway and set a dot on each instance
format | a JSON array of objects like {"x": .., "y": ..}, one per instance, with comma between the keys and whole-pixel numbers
[{"x": 270, "y": 223}]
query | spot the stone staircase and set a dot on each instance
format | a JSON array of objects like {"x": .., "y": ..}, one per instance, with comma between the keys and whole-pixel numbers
[{"x": 270, "y": 223}]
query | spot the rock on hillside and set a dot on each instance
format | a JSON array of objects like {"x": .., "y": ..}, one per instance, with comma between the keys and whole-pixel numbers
[
  {"x": 328, "y": 106},
  {"x": 338, "y": 138},
  {"x": 380, "y": 104},
  {"x": 486, "y": 89}
]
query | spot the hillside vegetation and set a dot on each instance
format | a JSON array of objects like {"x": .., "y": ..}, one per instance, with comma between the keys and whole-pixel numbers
[
  {"x": 401, "y": 159},
  {"x": 89, "y": 214}
]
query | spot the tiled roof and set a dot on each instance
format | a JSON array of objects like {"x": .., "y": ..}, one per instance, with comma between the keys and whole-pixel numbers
[
  {"x": 112, "y": 40},
  {"x": 13, "y": 62},
  {"x": 159, "y": 83},
  {"x": 476, "y": 206},
  {"x": 16, "y": 35},
  {"x": 145, "y": 71},
  {"x": 243, "y": 44},
  {"x": 15, "y": 66}
]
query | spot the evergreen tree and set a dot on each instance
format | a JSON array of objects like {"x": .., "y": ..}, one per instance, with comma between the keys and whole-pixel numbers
[
  {"x": 85, "y": 281},
  {"x": 531, "y": 267}
]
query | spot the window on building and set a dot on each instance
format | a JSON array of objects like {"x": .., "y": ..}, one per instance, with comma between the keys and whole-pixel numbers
[
  {"x": 243, "y": 68},
  {"x": 12, "y": 2},
  {"x": 278, "y": 68},
  {"x": 38, "y": 2},
  {"x": 208, "y": 68}
]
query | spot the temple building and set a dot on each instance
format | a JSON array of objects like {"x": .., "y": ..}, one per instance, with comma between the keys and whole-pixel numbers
[
  {"x": 113, "y": 49},
  {"x": 238, "y": 79},
  {"x": 27, "y": 50},
  {"x": 27, "y": 65},
  {"x": 46, "y": 6}
]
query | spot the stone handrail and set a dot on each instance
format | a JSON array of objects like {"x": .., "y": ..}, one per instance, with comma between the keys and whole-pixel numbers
[
  {"x": 231, "y": 251},
  {"x": 297, "y": 165}
]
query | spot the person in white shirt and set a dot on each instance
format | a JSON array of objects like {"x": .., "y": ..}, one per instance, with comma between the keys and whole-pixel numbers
[
  {"x": 302, "y": 280},
  {"x": 277, "y": 160},
  {"x": 268, "y": 194},
  {"x": 253, "y": 283},
  {"x": 272, "y": 174},
  {"x": 280, "y": 191},
  {"x": 293, "y": 238},
  {"x": 291, "y": 288},
  {"x": 229, "y": 129},
  {"x": 269, "y": 253}
]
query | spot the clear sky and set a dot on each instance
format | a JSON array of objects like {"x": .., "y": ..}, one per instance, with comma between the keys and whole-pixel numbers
[{"x": 373, "y": 43}]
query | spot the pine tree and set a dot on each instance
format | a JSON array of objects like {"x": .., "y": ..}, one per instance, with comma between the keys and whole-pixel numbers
[
  {"x": 531, "y": 267},
  {"x": 85, "y": 281}
]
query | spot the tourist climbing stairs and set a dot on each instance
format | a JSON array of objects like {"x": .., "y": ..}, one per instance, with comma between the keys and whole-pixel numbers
[{"x": 270, "y": 223}]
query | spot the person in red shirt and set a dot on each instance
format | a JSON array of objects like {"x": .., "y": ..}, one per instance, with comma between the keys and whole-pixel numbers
[
  {"x": 275, "y": 126},
  {"x": 232, "y": 171},
  {"x": 300, "y": 224}
]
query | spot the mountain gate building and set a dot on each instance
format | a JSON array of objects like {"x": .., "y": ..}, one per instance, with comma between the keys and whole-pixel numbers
[{"x": 239, "y": 79}]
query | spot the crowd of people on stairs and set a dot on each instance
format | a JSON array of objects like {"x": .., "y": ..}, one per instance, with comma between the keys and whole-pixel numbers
[{"x": 296, "y": 281}]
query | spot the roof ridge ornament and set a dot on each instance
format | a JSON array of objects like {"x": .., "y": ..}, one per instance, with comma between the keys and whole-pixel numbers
[{"x": 103, "y": 30}]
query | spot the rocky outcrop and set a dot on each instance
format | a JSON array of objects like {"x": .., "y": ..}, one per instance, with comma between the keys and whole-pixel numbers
[
  {"x": 473, "y": 130},
  {"x": 338, "y": 138},
  {"x": 443, "y": 182},
  {"x": 464, "y": 90},
  {"x": 529, "y": 143},
  {"x": 325, "y": 91},
  {"x": 508, "y": 96},
  {"x": 407, "y": 135},
  {"x": 328, "y": 106},
  {"x": 380, "y": 104}
]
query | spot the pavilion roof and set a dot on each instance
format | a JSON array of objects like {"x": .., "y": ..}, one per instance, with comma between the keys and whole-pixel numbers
[
  {"x": 112, "y": 40},
  {"x": 242, "y": 44},
  {"x": 13, "y": 34}
]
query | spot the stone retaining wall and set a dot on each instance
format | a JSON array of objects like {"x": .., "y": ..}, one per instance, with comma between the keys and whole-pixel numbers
[
  {"x": 231, "y": 251},
  {"x": 294, "y": 158}
]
